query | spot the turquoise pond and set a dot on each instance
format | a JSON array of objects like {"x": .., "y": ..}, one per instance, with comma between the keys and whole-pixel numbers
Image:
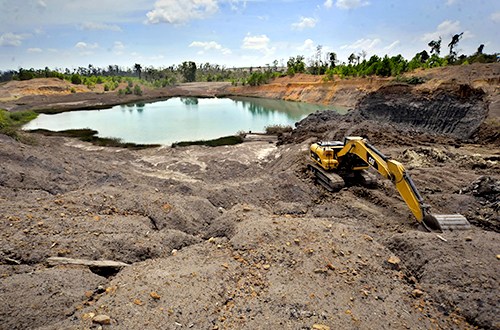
[{"x": 181, "y": 119}]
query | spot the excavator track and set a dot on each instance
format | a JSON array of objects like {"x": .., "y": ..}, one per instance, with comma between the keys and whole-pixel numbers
[
  {"x": 330, "y": 181},
  {"x": 367, "y": 179}
]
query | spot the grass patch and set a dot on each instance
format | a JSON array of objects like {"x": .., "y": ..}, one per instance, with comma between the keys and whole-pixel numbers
[
  {"x": 89, "y": 135},
  {"x": 11, "y": 122},
  {"x": 223, "y": 141}
]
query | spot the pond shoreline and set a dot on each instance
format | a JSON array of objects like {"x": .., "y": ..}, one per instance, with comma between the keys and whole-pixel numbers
[{"x": 176, "y": 119}]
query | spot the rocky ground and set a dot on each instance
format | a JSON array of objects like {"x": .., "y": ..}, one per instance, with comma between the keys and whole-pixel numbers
[{"x": 241, "y": 237}]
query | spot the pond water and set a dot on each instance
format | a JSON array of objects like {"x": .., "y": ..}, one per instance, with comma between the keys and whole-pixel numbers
[{"x": 180, "y": 119}]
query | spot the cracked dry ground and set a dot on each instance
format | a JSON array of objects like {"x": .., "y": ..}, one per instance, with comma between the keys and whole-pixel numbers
[{"x": 240, "y": 237}]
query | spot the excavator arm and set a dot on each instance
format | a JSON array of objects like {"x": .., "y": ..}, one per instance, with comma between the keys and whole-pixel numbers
[{"x": 395, "y": 172}]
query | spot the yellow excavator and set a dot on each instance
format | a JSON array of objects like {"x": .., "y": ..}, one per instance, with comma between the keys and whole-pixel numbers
[{"x": 338, "y": 163}]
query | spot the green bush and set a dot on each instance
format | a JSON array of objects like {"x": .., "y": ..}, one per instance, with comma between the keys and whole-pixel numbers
[
  {"x": 10, "y": 122},
  {"x": 137, "y": 90},
  {"x": 76, "y": 79}
]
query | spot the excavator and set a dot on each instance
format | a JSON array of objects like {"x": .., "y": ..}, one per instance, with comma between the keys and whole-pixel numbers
[{"x": 337, "y": 163}]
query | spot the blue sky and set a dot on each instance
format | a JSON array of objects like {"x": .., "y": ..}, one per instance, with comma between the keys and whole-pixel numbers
[{"x": 68, "y": 33}]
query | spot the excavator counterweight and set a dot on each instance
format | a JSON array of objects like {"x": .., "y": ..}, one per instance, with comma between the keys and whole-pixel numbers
[{"x": 337, "y": 164}]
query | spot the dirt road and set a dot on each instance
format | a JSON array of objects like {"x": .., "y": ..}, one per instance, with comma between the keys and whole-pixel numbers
[{"x": 240, "y": 237}]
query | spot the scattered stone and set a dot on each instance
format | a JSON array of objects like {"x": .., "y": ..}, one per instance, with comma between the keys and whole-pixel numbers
[
  {"x": 393, "y": 260},
  {"x": 498, "y": 256},
  {"x": 155, "y": 295},
  {"x": 138, "y": 302},
  {"x": 320, "y": 327},
  {"x": 468, "y": 239},
  {"x": 102, "y": 319},
  {"x": 417, "y": 293},
  {"x": 368, "y": 238},
  {"x": 266, "y": 267},
  {"x": 320, "y": 270},
  {"x": 88, "y": 316}
]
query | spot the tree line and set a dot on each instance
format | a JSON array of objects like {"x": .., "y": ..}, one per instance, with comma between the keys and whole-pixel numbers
[{"x": 357, "y": 65}]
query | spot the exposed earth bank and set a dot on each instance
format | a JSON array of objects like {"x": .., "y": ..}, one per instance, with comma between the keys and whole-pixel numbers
[{"x": 240, "y": 237}]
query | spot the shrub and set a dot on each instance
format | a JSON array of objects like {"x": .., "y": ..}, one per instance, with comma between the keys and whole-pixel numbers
[
  {"x": 76, "y": 79},
  {"x": 11, "y": 121},
  {"x": 278, "y": 129},
  {"x": 137, "y": 90}
]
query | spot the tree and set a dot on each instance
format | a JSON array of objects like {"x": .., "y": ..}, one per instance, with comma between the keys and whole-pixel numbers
[
  {"x": 453, "y": 43},
  {"x": 363, "y": 54},
  {"x": 351, "y": 58},
  {"x": 138, "y": 69},
  {"x": 435, "y": 46},
  {"x": 332, "y": 58},
  {"x": 295, "y": 65},
  {"x": 480, "y": 49},
  {"x": 188, "y": 71}
]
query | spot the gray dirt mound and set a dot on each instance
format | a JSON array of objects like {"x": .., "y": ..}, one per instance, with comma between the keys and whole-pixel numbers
[
  {"x": 43, "y": 297},
  {"x": 455, "y": 270},
  {"x": 457, "y": 111},
  {"x": 486, "y": 190},
  {"x": 401, "y": 114}
]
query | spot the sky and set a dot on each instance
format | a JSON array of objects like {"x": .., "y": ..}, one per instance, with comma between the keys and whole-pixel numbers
[{"x": 233, "y": 33}]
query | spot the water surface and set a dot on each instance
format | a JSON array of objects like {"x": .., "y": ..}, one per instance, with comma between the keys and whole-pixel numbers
[{"x": 180, "y": 119}]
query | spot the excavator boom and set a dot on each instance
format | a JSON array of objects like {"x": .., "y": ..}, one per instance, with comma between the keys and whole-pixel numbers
[{"x": 356, "y": 154}]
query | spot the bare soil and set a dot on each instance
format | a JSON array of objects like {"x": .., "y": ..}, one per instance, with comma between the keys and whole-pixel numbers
[{"x": 241, "y": 237}]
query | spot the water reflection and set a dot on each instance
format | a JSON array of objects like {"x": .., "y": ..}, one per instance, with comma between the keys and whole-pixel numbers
[
  {"x": 165, "y": 122},
  {"x": 189, "y": 101}
]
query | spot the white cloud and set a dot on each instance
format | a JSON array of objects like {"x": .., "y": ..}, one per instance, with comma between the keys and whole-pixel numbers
[
  {"x": 446, "y": 30},
  {"x": 206, "y": 46},
  {"x": 328, "y": 4},
  {"x": 34, "y": 50},
  {"x": 304, "y": 22},
  {"x": 351, "y": 4},
  {"x": 450, "y": 2},
  {"x": 84, "y": 45},
  {"x": 41, "y": 4},
  {"x": 362, "y": 44},
  {"x": 12, "y": 39},
  {"x": 100, "y": 27},
  {"x": 85, "y": 48},
  {"x": 259, "y": 43},
  {"x": 307, "y": 46},
  {"x": 495, "y": 17},
  {"x": 181, "y": 11},
  {"x": 392, "y": 46}
]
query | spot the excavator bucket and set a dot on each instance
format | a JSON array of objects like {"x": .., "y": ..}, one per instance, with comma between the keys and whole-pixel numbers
[{"x": 442, "y": 222}]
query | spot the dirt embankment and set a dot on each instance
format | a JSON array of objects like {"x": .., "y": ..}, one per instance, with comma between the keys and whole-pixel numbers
[
  {"x": 240, "y": 237},
  {"x": 55, "y": 95}
]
